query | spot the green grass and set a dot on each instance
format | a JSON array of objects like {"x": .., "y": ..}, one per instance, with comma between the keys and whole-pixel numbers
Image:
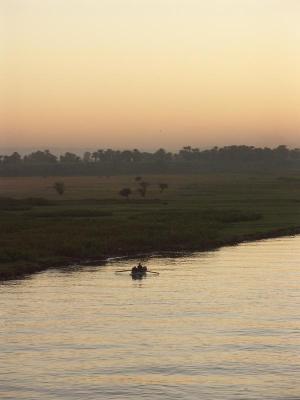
[{"x": 40, "y": 228}]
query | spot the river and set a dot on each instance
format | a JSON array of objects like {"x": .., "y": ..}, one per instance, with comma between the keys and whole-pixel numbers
[{"x": 216, "y": 325}]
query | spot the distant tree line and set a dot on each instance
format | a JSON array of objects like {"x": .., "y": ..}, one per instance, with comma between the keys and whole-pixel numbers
[{"x": 186, "y": 160}]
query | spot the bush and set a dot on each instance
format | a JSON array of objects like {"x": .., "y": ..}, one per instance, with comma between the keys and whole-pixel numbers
[
  {"x": 126, "y": 192},
  {"x": 59, "y": 187}
]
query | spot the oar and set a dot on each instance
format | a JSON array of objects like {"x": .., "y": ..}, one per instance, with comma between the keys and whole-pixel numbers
[
  {"x": 153, "y": 272},
  {"x": 124, "y": 270}
]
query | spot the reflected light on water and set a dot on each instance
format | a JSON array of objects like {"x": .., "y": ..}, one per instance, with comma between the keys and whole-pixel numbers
[{"x": 216, "y": 325}]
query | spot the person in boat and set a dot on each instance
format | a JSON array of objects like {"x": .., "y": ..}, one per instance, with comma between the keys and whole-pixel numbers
[
  {"x": 139, "y": 269},
  {"x": 134, "y": 270}
]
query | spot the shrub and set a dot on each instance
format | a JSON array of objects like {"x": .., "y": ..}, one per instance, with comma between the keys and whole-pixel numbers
[
  {"x": 125, "y": 192},
  {"x": 59, "y": 187}
]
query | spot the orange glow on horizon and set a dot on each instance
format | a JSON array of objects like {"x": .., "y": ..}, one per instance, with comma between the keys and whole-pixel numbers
[{"x": 129, "y": 73}]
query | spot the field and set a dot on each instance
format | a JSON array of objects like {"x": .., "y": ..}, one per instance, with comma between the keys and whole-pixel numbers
[{"x": 40, "y": 228}]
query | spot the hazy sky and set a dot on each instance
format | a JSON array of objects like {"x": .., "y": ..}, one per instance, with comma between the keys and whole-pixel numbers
[{"x": 149, "y": 73}]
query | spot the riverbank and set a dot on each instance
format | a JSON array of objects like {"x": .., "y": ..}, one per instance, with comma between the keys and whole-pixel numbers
[
  {"x": 92, "y": 222},
  {"x": 17, "y": 271}
]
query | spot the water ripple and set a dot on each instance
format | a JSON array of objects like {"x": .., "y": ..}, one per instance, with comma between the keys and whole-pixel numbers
[{"x": 217, "y": 325}]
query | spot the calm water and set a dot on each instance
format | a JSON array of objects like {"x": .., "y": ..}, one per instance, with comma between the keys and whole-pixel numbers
[{"x": 220, "y": 325}]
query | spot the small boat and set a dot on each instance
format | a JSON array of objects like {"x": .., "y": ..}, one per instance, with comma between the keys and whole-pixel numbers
[{"x": 138, "y": 273}]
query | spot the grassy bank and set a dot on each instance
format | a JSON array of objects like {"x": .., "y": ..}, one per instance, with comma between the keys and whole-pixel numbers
[{"x": 39, "y": 228}]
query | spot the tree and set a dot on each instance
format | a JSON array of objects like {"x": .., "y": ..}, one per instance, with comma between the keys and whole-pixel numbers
[
  {"x": 87, "y": 157},
  {"x": 95, "y": 156},
  {"x": 125, "y": 192},
  {"x": 59, "y": 187},
  {"x": 160, "y": 155},
  {"x": 126, "y": 156},
  {"x": 14, "y": 158},
  {"x": 136, "y": 155},
  {"x": 69, "y": 158},
  {"x": 163, "y": 186},
  {"x": 41, "y": 157},
  {"x": 143, "y": 188}
]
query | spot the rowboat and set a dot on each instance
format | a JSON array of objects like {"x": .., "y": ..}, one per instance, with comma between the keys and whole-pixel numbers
[{"x": 138, "y": 274}]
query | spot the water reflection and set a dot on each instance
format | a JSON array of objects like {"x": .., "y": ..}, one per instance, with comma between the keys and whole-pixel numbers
[
  {"x": 217, "y": 325},
  {"x": 136, "y": 277}
]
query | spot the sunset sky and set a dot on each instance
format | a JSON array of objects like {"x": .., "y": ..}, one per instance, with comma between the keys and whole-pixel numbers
[{"x": 149, "y": 73}]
